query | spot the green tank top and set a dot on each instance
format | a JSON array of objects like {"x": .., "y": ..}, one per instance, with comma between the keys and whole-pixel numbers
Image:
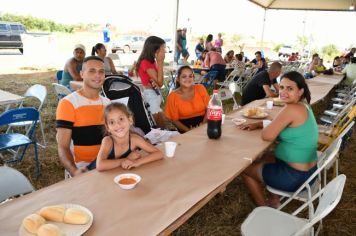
[
  {"x": 299, "y": 144},
  {"x": 66, "y": 77}
]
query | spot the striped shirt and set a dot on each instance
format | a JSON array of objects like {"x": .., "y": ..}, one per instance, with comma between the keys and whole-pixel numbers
[{"x": 85, "y": 117}]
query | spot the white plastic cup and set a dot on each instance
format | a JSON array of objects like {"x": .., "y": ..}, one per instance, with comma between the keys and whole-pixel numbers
[
  {"x": 222, "y": 119},
  {"x": 269, "y": 104},
  {"x": 170, "y": 148},
  {"x": 266, "y": 123}
]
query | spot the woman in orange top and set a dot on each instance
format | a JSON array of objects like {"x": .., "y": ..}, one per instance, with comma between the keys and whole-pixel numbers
[{"x": 186, "y": 106}]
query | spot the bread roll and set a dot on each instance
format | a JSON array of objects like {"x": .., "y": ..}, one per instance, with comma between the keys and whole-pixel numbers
[
  {"x": 53, "y": 213},
  {"x": 32, "y": 222},
  {"x": 49, "y": 230},
  {"x": 76, "y": 216}
]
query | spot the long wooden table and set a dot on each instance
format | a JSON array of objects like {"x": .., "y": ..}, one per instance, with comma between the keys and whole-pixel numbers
[
  {"x": 321, "y": 85},
  {"x": 170, "y": 192},
  {"x": 7, "y": 98},
  {"x": 169, "y": 188}
]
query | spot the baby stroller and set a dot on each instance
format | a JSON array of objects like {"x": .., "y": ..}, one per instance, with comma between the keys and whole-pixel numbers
[{"x": 120, "y": 87}]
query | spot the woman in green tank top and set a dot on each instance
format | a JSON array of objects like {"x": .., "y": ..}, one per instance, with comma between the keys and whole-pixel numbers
[{"x": 296, "y": 133}]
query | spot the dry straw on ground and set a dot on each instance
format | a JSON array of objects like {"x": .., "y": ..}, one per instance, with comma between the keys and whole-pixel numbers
[{"x": 224, "y": 214}]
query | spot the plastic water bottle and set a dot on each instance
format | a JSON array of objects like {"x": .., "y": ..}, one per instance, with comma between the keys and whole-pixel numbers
[
  {"x": 126, "y": 71},
  {"x": 214, "y": 116}
]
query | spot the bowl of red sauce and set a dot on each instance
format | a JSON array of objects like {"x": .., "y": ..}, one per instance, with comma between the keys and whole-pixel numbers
[{"x": 127, "y": 181}]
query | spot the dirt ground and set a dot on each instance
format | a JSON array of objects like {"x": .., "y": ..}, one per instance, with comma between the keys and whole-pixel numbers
[{"x": 224, "y": 214}]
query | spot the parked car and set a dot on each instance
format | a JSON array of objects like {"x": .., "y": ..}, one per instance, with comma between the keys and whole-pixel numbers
[
  {"x": 169, "y": 45},
  {"x": 285, "y": 51},
  {"x": 10, "y": 35},
  {"x": 129, "y": 44}
]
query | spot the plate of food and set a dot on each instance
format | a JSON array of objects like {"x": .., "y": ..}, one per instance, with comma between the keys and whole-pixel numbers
[
  {"x": 278, "y": 102},
  {"x": 238, "y": 121},
  {"x": 254, "y": 113},
  {"x": 63, "y": 219}
]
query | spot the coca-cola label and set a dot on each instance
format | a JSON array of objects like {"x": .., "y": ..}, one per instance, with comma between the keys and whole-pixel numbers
[{"x": 214, "y": 113}]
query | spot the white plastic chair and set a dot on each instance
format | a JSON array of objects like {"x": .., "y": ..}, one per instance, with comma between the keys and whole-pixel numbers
[
  {"x": 40, "y": 93},
  {"x": 61, "y": 90},
  {"x": 336, "y": 160},
  {"x": 307, "y": 190},
  {"x": 13, "y": 183},
  {"x": 115, "y": 59},
  {"x": 234, "y": 74},
  {"x": 225, "y": 94},
  {"x": 270, "y": 221}
]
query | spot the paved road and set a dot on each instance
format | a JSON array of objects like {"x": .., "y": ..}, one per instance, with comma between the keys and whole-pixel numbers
[
  {"x": 42, "y": 52},
  {"x": 13, "y": 60}
]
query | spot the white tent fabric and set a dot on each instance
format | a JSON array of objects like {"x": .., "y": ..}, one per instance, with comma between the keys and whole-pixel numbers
[{"x": 322, "y": 5}]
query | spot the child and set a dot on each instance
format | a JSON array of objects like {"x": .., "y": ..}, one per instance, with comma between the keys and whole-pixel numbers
[{"x": 119, "y": 147}]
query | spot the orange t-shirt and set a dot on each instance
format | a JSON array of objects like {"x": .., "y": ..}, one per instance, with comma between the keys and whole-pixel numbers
[
  {"x": 85, "y": 118},
  {"x": 177, "y": 108}
]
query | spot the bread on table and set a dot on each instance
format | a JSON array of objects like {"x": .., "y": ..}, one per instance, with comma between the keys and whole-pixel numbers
[
  {"x": 49, "y": 230},
  {"x": 53, "y": 213},
  {"x": 76, "y": 216},
  {"x": 33, "y": 222}
]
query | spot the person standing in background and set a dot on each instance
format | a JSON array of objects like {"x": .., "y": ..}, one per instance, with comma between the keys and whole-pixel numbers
[
  {"x": 106, "y": 35},
  {"x": 208, "y": 42},
  {"x": 150, "y": 70},
  {"x": 178, "y": 45},
  {"x": 184, "y": 39},
  {"x": 219, "y": 43}
]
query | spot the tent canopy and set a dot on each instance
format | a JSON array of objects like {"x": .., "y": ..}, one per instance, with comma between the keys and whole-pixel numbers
[{"x": 318, "y": 5}]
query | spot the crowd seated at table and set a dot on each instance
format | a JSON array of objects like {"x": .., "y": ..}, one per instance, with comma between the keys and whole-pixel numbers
[{"x": 186, "y": 106}]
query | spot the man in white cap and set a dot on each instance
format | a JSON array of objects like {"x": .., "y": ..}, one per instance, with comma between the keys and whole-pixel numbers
[{"x": 73, "y": 66}]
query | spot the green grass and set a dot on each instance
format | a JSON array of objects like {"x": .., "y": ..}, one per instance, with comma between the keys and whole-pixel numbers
[{"x": 224, "y": 214}]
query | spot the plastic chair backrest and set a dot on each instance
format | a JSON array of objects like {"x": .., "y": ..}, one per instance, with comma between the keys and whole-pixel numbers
[
  {"x": 113, "y": 56},
  {"x": 342, "y": 126},
  {"x": 235, "y": 73},
  {"x": 330, "y": 196},
  {"x": 13, "y": 183},
  {"x": 59, "y": 75},
  {"x": 330, "y": 153},
  {"x": 225, "y": 94},
  {"x": 61, "y": 90},
  {"x": 38, "y": 91},
  {"x": 19, "y": 115}
]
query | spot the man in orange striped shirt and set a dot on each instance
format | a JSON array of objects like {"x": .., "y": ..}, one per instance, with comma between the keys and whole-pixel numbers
[{"x": 80, "y": 119}]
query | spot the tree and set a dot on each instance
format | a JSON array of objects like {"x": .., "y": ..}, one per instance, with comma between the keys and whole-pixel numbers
[
  {"x": 277, "y": 47},
  {"x": 236, "y": 40},
  {"x": 302, "y": 42},
  {"x": 330, "y": 51}
]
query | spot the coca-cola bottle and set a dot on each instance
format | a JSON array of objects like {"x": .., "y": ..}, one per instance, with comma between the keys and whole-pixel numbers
[{"x": 214, "y": 116}]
